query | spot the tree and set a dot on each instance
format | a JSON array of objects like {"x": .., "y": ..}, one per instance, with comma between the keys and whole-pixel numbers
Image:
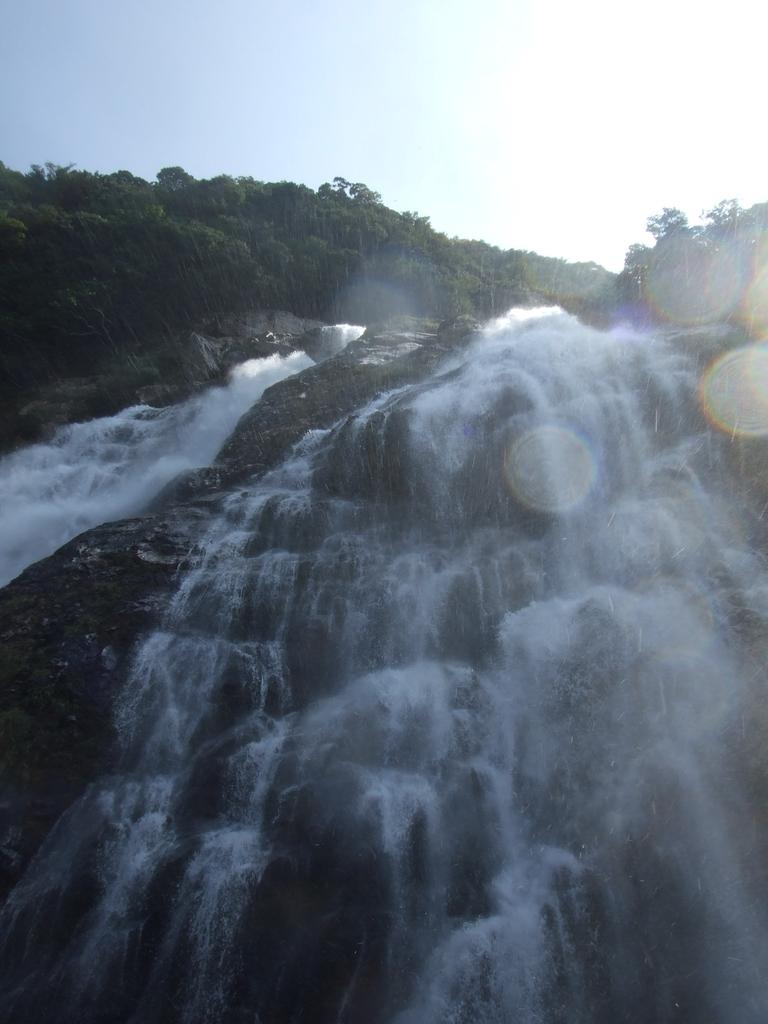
[
  {"x": 637, "y": 257},
  {"x": 172, "y": 179},
  {"x": 356, "y": 190},
  {"x": 631, "y": 281},
  {"x": 362, "y": 194},
  {"x": 724, "y": 217},
  {"x": 341, "y": 185},
  {"x": 670, "y": 221}
]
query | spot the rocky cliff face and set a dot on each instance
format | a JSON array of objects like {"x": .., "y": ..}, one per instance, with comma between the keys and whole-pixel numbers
[{"x": 70, "y": 622}]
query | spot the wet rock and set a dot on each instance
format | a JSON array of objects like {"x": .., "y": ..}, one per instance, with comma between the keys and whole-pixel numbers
[
  {"x": 322, "y": 395},
  {"x": 159, "y": 395},
  {"x": 69, "y": 624},
  {"x": 457, "y": 329}
]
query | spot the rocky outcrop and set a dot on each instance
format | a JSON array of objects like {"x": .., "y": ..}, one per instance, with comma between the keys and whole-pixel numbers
[
  {"x": 318, "y": 397},
  {"x": 70, "y": 622}
]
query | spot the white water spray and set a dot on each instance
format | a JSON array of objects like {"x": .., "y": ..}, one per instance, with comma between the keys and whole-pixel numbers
[
  {"x": 340, "y": 335},
  {"x": 109, "y": 468}
]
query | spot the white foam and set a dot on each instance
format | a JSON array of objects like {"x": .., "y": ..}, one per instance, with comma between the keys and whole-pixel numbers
[{"x": 109, "y": 468}]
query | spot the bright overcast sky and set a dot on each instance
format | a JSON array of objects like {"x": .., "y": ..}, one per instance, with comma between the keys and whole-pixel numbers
[{"x": 553, "y": 125}]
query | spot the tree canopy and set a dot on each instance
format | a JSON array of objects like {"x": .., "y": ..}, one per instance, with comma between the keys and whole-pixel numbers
[
  {"x": 701, "y": 273},
  {"x": 93, "y": 263},
  {"x": 670, "y": 221}
]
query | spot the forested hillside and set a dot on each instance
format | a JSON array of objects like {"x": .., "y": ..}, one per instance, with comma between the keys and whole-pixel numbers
[
  {"x": 701, "y": 273},
  {"x": 94, "y": 266}
]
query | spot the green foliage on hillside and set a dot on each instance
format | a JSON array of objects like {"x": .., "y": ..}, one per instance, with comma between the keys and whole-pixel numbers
[
  {"x": 701, "y": 273},
  {"x": 96, "y": 264}
]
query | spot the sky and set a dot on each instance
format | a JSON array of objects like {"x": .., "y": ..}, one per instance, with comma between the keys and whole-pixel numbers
[{"x": 552, "y": 125}]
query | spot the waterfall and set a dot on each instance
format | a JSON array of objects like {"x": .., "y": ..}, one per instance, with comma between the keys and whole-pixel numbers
[
  {"x": 336, "y": 337},
  {"x": 109, "y": 468},
  {"x": 446, "y": 723}
]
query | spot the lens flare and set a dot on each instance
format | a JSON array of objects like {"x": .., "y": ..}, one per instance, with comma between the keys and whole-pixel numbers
[
  {"x": 550, "y": 469},
  {"x": 734, "y": 392},
  {"x": 692, "y": 285}
]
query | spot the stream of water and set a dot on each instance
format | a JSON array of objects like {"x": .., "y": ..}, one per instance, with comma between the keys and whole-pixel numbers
[{"x": 109, "y": 468}]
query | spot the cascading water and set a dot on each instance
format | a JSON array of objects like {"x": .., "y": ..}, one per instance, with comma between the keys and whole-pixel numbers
[
  {"x": 336, "y": 337},
  {"x": 109, "y": 468},
  {"x": 444, "y": 725}
]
